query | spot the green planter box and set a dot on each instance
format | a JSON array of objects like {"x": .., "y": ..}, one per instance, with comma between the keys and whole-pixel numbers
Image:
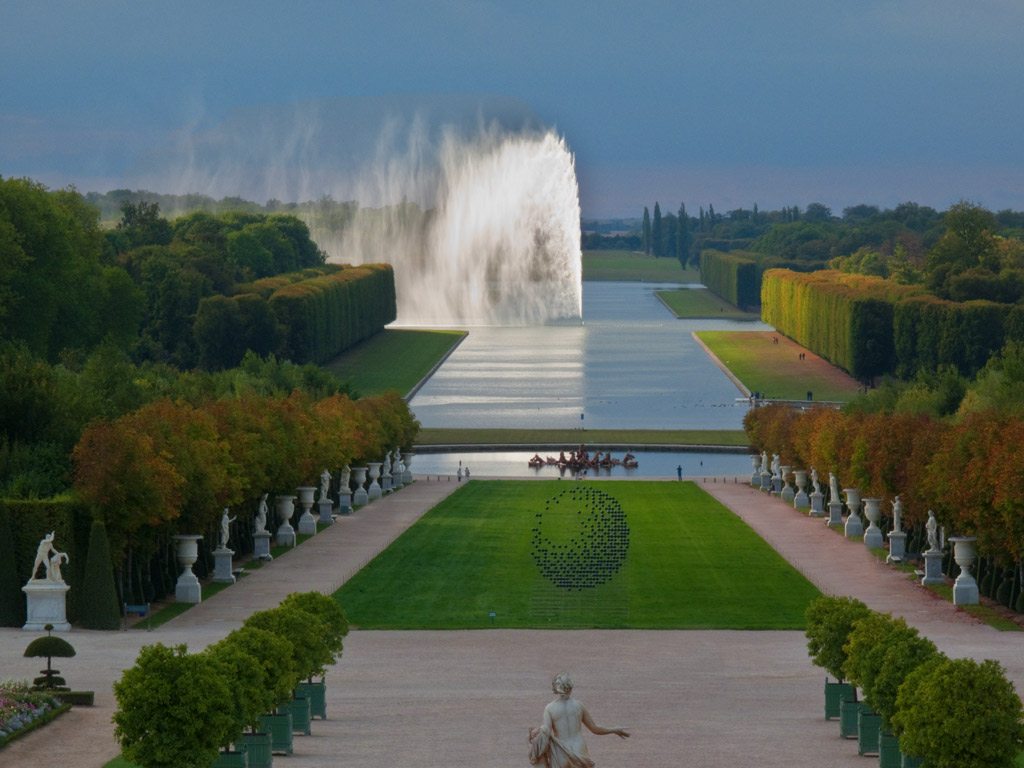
[
  {"x": 317, "y": 695},
  {"x": 889, "y": 751},
  {"x": 869, "y": 727},
  {"x": 912, "y": 762},
  {"x": 848, "y": 711},
  {"x": 230, "y": 760},
  {"x": 258, "y": 749},
  {"x": 279, "y": 726},
  {"x": 300, "y": 715},
  {"x": 834, "y": 694}
]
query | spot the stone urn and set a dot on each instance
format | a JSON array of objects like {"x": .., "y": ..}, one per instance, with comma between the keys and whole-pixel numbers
[
  {"x": 187, "y": 590},
  {"x": 965, "y": 588},
  {"x": 854, "y": 525},
  {"x": 755, "y": 476},
  {"x": 406, "y": 461},
  {"x": 800, "y": 499},
  {"x": 285, "y": 506},
  {"x": 787, "y": 494},
  {"x": 373, "y": 491},
  {"x": 873, "y": 538},
  {"x": 307, "y": 523},
  {"x": 359, "y": 496}
]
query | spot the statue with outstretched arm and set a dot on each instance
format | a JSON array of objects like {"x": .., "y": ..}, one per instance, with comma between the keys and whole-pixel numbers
[{"x": 558, "y": 742}]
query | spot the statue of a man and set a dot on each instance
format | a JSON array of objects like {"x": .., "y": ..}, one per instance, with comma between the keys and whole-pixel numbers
[
  {"x": 325, "y": 484},
  {"x": 558, "y": 742},
  {"x": 261, "y": 515},
  {"x": 897, "y": 515},
  {"x": 225, "y": 525},
  {"x": 932, "y": 526},
  {"x": 43, "y": 555}
]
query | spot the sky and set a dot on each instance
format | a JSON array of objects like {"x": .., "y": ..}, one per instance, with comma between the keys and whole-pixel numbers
[{"x": 730, "y": 103}]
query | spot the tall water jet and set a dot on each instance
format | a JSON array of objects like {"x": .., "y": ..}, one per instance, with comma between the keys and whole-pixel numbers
[{"x": 501, "y": 244}]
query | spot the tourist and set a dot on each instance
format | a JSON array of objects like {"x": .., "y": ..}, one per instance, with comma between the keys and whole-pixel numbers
[{"x": 679, "y": 471}]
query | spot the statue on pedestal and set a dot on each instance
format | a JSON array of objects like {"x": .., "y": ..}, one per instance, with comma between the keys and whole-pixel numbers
[
  {"x": 897, "y": 515},
  {"x": 833, "y": 487},
  {"x": 558, "y": 742},
  {"x": 48, "y": 557},
  {"x": 814, "y": 480},
  {"x": 225, "y": 525},
  {"x": 932, "y": 526},
  {"x": 260, "y": 523},
  {"x": 325, "y": 484}
]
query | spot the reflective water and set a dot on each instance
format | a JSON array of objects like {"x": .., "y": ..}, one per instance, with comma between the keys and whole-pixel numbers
[{"x": 630, "y": 365}]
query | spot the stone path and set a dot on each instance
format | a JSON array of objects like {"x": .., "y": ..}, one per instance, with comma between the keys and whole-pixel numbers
[{"x": 709, "y": 698}]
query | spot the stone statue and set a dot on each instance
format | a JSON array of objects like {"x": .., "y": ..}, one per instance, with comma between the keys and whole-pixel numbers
[
  {"x": 48, "y": 557},
  {"x": 814, "y": 480},
  {"x": 261, "y": 515},
  {"x": 386, "y": 469},
  {"x": 897, "y": 515},
  {"x": 932, "y": 526},
  {"x": 225, "y": 524},
  {"x": 325, "y": 484},
  {"x": 764, "y": 462},
  {"x": 833, "y": 487},
  {"x": 775, "y": 464},
  {"x": 558, "y": 742}
]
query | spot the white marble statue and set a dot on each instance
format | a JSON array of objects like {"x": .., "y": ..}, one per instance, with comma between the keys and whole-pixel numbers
[
  {"x": 558, "y": 742},
  {"x": 932, "y": 526},
  {"x": 48, "y": 557},
  {"x": 225, "y": 526},
  {"x": 833, "y": 487},
  {"x": 775, "y": 464},
  {"x": 325, "y": 484},
  {"x": 261, "y": 515},
  {"x": 814, "y": 480},
  {"x": 386, "y": 468},
  {"x": 764, "y": 462},
  {"x": 897, "y": 515}
]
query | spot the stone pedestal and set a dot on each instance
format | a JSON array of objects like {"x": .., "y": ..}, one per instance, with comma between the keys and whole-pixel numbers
[
  {"x": 324, "y": 511},
  {"x": 386, "y": 482},
  {"x": 285, "y": 510},
  {"x": 261, "y": 545},
  {"x": 835, "y": 513},
  {"x": 359, "y": 496},
  {"x": 897, "y": 547},
  {"x": 46, "y": 605},
  {"x": 933, "y": 568},
  {"x": 818, "y": 504},
  {"x": 854, "y": 525},
  {"x": 373, "y": 491},
  {"x": 307, "y": 523},
  {"x": 873, "y": 538},
  {"x": 776, "y": 484},
  {"x": 345, "y": 502},
  {"x": 222, "y": 558},
  {"x": 187, "y": 590},
  {"x": 406, "y": 472},
  {"x": 786, "y": 492},
  {"x": 965, "y": 588},
  {"x": 766, "y": 480}
]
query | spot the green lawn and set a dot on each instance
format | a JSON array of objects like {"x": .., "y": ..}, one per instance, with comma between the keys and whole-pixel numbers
[
  {"x": 700, "y": 302},
  {"x": 627, "y": 437},
  {"x": 775, "y": 369},
  {"x": 689, "y": 563},
  {"x": 628, "y": 265},
  {"x": 393, "y": 359}
]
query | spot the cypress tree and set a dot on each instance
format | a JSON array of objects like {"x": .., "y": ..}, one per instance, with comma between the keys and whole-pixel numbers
[
  {"x": 683, "y": 236},
  {"x": 12, "y": 599},
  {"x": 647, "y": 232},
  {"x": 100, "y": 609},
  {"x": 657, "y": 236}
]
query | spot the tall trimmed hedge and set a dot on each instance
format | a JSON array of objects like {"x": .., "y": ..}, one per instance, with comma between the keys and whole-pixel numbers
[
  {"x": 845, "y": 318},
  {"x": 930, "y": 333},
  {"x": 733, "y": 276}
]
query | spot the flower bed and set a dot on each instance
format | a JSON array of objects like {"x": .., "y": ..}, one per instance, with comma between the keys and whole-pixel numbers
[{"x": 21, "y": 709}]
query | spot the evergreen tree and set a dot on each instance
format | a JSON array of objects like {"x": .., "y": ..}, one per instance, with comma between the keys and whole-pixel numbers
[
  {"x": 657, "y": 236},
  {"x": 647, "y": 232},
  {"x": 12, "y": 599},
  {"x": 683, "y": 236},
  {"x": 757, "y": 218},
  {"x": 711, "y": 216},
  {"x": 100, "y": 609},
  {"x": 701, "y": 224}
]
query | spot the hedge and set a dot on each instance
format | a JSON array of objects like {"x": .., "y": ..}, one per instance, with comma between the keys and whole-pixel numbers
[
  {"x": 733, "y": 276},
  {"x": 930, "y": 333}
]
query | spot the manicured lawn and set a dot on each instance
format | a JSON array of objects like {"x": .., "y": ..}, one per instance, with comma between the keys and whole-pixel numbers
[
  {"x": 685, "y": 563},
  {"x": 396, "y": 358},
  {"x": 628, "y": 265},
  {"x": 700, "y": 302},
  {"x": 454, "y": 436},
  {"x": 776, "y": 370}
]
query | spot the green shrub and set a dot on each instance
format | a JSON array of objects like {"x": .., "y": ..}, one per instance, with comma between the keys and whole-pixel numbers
[
  {"x": 100, "y": 607},
  {"x": 830, "y": 621},
  {"x": 12, "y": 599}
]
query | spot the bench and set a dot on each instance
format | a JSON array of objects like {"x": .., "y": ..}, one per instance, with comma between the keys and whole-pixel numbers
[{"x": 141, "y": 610}]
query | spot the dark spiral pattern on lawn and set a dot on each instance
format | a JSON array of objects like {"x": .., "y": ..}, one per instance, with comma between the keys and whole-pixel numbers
[{"x": 592, "y": 556}]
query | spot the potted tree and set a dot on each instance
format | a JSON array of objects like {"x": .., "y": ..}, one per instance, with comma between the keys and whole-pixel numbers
[
  {"x": 903, "y": 653},
  {"x": 829, "y": 622},
  {"x": 335, "y": 628}
]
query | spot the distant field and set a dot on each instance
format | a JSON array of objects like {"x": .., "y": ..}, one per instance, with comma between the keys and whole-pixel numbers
[
  {"x": 393, "y": 359},
  {"x": 776, "y": 370},
  {"x": 553, "y": 555},
  {"x": 700, "y": 302},
  {"x": 627, "y": 437},
  {"x": 628, "y": 265}
]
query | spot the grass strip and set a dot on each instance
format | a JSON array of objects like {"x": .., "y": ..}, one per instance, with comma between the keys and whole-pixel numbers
[
  {"x": 396, "y": 358},
  {"x": 481, "y": 551},
  {"x": 983, "y": 613},
  {"x": 702, "y": 303},
  {"x": 775, "y": 369},
  {"x": 539, "y": 437},
  {"x": 635, "y": 267}
]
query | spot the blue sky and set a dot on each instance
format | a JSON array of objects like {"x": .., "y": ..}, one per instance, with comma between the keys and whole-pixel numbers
[{"x": 728, "y": 102}]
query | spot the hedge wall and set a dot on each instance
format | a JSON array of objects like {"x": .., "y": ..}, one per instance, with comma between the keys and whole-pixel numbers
[
  {"x": 931, "y": 332},
  {"x": 733, "y": 276},
  {"x": 845, "y": 318}
]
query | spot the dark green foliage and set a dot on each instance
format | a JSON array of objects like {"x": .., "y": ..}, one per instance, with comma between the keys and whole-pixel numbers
[
  {"x": 830, "y": 620},
  {"x": 48, "y": 647},
  {"x": 932, "y": 333},
  {"x": 100, "y": 607},
  {"x": 657, "y": 234},
  {"x": 328, "y": 611},
  {"x": 275, "y": 677},
  {"x": 733, "y": 276},
  {"x": 12, "y": 599},
  {"x": 311, "y": 652}
]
